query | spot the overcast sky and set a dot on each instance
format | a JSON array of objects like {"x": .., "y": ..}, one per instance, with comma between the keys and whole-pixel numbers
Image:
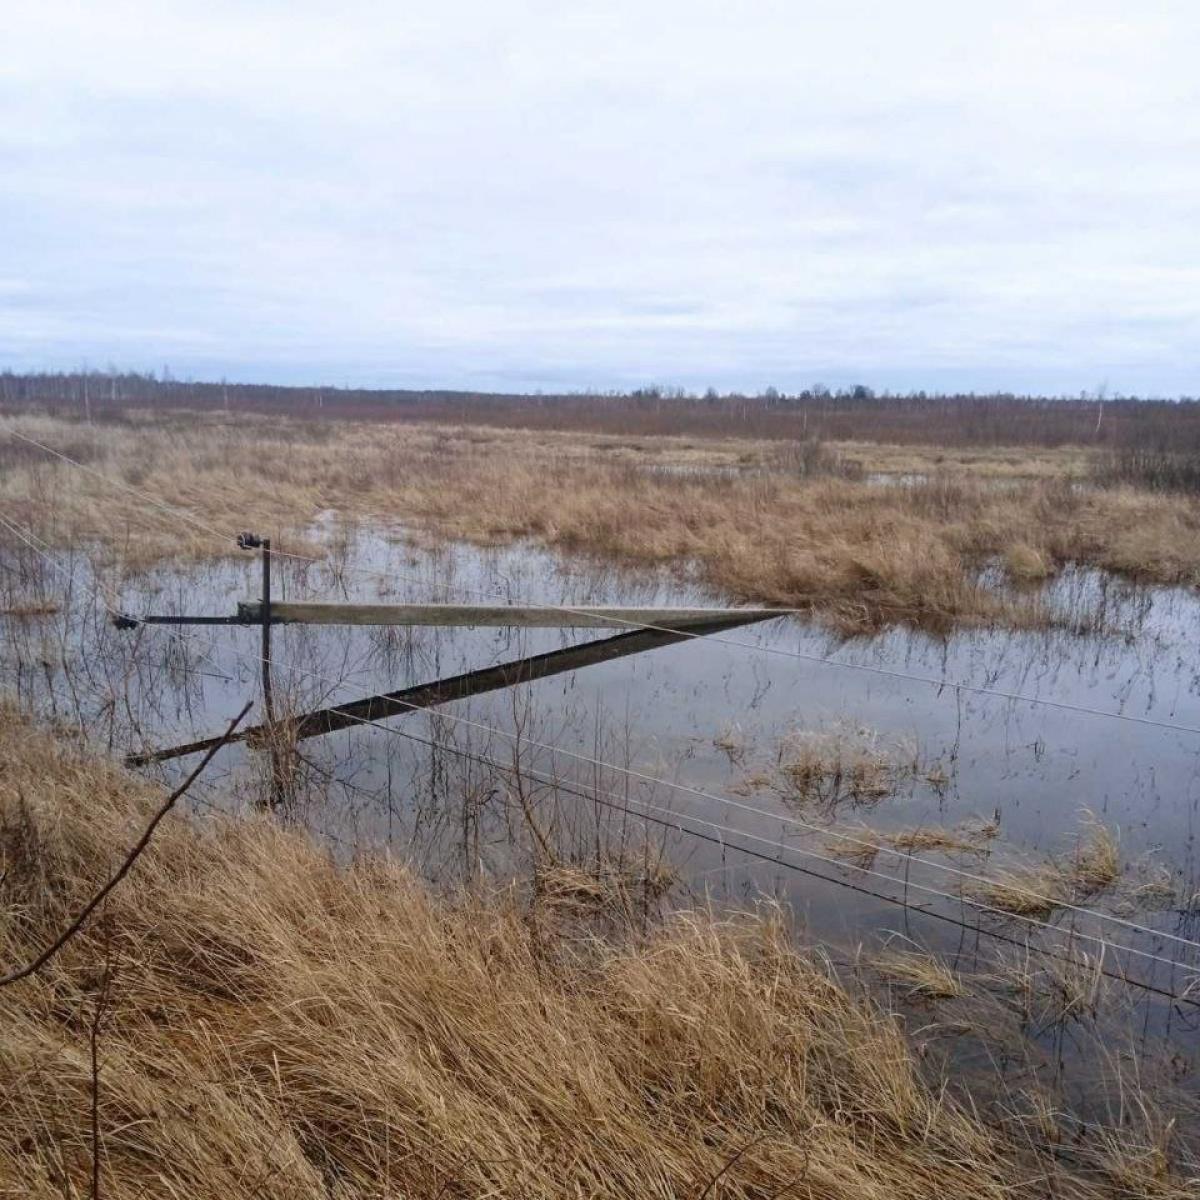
[{"x": 561, "y": 195}]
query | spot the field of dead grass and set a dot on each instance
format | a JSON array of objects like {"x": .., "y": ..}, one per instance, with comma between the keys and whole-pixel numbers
[
  {"x": 275, "y": 1025},
  {"x": 765, "y": 522}
]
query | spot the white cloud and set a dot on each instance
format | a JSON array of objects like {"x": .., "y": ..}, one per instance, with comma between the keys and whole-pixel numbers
[{"x": 532, "y": 194}]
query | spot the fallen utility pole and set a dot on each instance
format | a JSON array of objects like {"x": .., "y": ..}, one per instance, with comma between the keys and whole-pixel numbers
[
  {"x": 472, "y": 683},
  {"x": 646, "y": 629}
]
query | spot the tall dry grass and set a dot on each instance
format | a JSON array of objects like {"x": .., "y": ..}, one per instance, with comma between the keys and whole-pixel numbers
[
  {"x": 860, "y": 555},
  {"x": 275, "y": 1025}
]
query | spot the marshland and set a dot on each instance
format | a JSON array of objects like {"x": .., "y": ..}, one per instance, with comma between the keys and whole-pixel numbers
[{"x": 891, "y": 895}]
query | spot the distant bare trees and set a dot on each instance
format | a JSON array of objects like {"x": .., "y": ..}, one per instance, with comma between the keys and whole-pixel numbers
[{"x": 846, "y": 414}]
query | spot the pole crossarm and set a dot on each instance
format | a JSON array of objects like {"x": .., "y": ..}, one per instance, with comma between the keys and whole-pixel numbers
[
  {"x": 525, "y": 616},
  {"x": 528, "y": 616}
]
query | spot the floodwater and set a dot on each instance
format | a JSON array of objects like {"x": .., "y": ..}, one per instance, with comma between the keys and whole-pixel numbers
[{"x": 728, "y": 716}]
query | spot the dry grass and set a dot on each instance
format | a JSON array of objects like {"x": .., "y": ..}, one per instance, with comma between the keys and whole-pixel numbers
[
  {"x": 1024, "y": 891},
  {"x": 924, "y": 975},
  {"x": 922, "y": 838},
  {"x": 733, "y": 743},
  {"x": 999, "y": 463},
  {"x": 860, "y": 555},
  {"x": 847, "y": 764},
  {"x": 621, "y": 889},
  {"x": 1056, "y": 989},
  {"x": 27, "y": 609},
  {"x": 1027, "y": 564},
  {"x": 1097, "y": 863},
  {"x": 860, "y": 845},
  {"x": 859, "y": 853},
  {"x": 279, "y": 1026},
  {"x": 1153, "y": 890},
  {"x": 1036, "y": 890}
]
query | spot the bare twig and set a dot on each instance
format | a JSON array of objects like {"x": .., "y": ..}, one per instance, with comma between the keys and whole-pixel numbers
[
  {"x": 132, "y": 857},
  {"x": 730, "y": 1163}
]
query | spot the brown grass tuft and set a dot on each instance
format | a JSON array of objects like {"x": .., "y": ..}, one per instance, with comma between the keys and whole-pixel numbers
[
  {"x": 846, "y": 764},
  {"x": 1024, "y": 891},
  {"x": 1026, "y": 563},
  {"x": 936, "y": 837},
  {"x": 1097, "y": 862},
  {"x": 1057, "y": 988},
  {"x": 925, "y": 975}
]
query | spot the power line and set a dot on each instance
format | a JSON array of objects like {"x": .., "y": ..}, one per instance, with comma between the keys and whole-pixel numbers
[
  {"x": 672, "y": 821},
  {"x": 906, "y": 884},
  {"x": 783, "y": 818}
]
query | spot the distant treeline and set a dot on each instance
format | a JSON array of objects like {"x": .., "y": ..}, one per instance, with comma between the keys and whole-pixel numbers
[{"x": 858, "y": 413}]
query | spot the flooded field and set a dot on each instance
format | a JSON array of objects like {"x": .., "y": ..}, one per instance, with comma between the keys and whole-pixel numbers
[
  {"x": 902, "y": 764},
  {"x": 959, "y": 775}
]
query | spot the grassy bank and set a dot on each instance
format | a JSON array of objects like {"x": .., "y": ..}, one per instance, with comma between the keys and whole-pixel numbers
[
  {"x": 793, "y": 524},
  {"x": 266, "y": 1023}
]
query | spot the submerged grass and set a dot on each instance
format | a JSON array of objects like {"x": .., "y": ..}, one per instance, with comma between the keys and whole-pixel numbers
[
  {"x": 739, "y": 514},
  {"x": 276, "y": 1025}
]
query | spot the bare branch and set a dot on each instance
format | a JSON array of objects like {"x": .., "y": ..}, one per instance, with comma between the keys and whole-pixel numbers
[{"x": 132, "y": 857}]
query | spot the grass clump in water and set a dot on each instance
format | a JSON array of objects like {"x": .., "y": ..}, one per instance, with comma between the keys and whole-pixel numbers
[
  {"x": 925, "y": 975},
  {"x": 1024, "y": 891},
  {"x": 1097, "y": 862},
  {"x": 850, "y": 764}
]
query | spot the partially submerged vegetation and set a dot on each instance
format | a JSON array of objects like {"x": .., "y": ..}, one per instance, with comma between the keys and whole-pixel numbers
[
  {"x": 768, "y": 522},
  {"x": 1035, "y": 890},
  {"x": 844, "y": 765},
  {"x": 268, "y": 1023},
  {"x": 924, "y": 975}
]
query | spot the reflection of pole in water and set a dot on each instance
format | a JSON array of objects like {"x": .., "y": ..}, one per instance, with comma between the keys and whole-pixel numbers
[
  {"x": 249, "y": 541},
  {"x": 268, "y": 698}
]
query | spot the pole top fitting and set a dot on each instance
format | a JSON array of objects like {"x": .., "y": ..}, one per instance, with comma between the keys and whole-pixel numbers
[
  {"x": 125, "y": 621},
  {"x": 248, "y": 541}
]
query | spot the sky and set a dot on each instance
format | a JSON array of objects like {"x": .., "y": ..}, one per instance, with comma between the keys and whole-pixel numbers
[{"x": 517, "y": 196}]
